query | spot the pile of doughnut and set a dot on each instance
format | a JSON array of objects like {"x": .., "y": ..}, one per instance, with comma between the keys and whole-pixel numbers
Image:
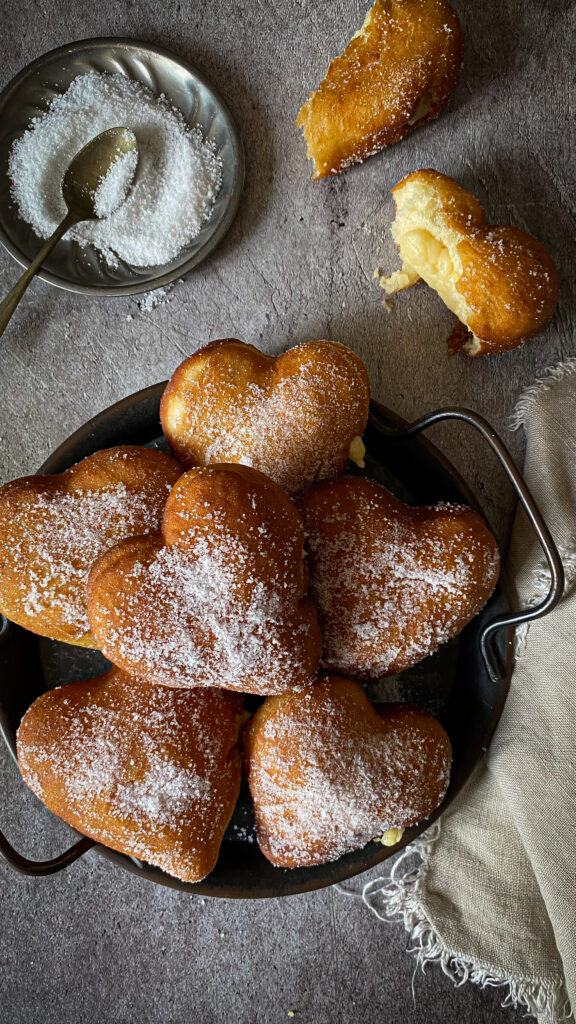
[
  {"x": 247, "y": 562},
  {"x": 396, "y": 74}
]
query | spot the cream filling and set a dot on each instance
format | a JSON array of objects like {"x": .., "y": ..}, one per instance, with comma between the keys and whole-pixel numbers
[
  {"x": 357, "y": 451},
  {"x": 397, "y": 281},
  {"x": 473, "y": 346},
  {"x": 423, "y": 108},
  {"x": 429, "y": 252},
  {"x": 364, "y": 28},
  {"x": 391, "y": 836}
]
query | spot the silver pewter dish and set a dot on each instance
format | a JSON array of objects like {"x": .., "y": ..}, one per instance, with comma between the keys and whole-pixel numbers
[{"x": 81, "y": 268}]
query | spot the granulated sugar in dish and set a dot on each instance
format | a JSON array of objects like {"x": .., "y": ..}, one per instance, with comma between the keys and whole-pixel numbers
[{"x": 178, "y": 177}]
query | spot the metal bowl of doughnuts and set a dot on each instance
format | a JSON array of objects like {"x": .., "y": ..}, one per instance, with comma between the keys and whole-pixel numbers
[{"x": 459, "y": 684}]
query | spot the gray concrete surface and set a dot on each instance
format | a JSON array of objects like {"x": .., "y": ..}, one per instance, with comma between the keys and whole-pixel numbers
[{"x": 94, "y": 944}]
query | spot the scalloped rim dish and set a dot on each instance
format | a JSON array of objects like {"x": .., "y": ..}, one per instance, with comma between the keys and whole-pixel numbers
[{"x": 80, "y": 269}]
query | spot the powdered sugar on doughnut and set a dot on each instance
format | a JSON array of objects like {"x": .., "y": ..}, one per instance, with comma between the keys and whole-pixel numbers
[
  {"x": 278, "y": 430},
  {"x": 220, "y": 606},
  {"x": 53, "y": 527},
  {"x": 392, "y": 586},
  {"x": 211, "y": 626},
  {"x": 325, "y": 782},
  {"x": 145, "y": 769},
  {"x": 293, "y": 417},
  {"x": 61, "y": 537},
  {"x": 95, "y": 760}
]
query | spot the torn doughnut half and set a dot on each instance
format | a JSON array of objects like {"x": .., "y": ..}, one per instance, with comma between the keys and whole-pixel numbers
[
  {"x": 396, "y": 73},
  {"x": 500, "y": 282}
]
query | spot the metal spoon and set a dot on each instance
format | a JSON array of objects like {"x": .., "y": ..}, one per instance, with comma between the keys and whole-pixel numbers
[{"x": 79, "y": 187}]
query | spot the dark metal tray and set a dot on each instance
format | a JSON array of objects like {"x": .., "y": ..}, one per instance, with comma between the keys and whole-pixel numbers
[{"x": 465, "y": 683}]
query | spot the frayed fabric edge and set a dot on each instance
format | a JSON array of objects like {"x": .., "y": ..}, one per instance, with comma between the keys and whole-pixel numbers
[
  {"x": 552, "y": 374},
  {"x": 541, "y": 580},
  {"x": 397, "y": 897}
]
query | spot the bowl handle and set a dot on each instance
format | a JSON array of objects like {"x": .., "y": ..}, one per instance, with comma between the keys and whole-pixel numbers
[
  {"x": 490, "y": 654},
  {"x": 7, "y": 851},
  {"x": 43, "y": 867}
]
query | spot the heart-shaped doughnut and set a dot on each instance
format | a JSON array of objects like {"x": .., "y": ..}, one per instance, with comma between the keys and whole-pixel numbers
[
  {"x": 396, "y": 73},
  {"x": 297, "y": 418},
  {"x": 218, "y": 600},
  {"x": 500, "y": 281},
  {"x": 52, "y": 529},
  {"x": 328, "y": 772},
  {"x": 147, "y": 770},
  {"x": 392, "y": 582}
]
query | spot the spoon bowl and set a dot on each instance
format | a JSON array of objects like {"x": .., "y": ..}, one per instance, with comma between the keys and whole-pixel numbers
[{"x": 90, "y": 166}]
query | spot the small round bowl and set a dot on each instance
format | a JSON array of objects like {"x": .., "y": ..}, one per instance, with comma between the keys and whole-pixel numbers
[{"x": 79, "y": 268}]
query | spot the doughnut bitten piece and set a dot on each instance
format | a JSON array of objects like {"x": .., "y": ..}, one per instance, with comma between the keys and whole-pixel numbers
[
  {"x": 396, "y": 74},
  {"x": 500, "y": 282},
  {"x": 218, "y": 598},
  {"x": 54, "y": 527},
  {"x": 147, "y": 770},
  {"x": 391, "y": 582},
  {"x": 328, "y": 771},
  {"x": 296, "y": 418}
]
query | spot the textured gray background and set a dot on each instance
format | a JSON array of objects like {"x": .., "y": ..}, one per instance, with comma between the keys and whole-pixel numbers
[{"x": 97, "y": 945}]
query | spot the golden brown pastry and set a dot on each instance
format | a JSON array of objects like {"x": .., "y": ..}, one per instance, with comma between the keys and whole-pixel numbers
[
  {"x": 296, "y": 418},
  {"x": 499, "y": 281},
  {"x": 396, "y": 74},
  {"x": 391, "y": 582},
  {"x": 147, "y": 770},
  {"x": 218, "y": 599},
  {"x": 328, "y": 772},
  {"x": 52, "y": 529}
]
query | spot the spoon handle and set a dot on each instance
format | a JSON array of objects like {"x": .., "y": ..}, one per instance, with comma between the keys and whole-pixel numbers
[{"x": 8, "y": 305}]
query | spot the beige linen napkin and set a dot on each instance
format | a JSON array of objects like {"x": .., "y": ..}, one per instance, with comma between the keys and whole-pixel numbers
[{"x": 490, "y": 891}]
